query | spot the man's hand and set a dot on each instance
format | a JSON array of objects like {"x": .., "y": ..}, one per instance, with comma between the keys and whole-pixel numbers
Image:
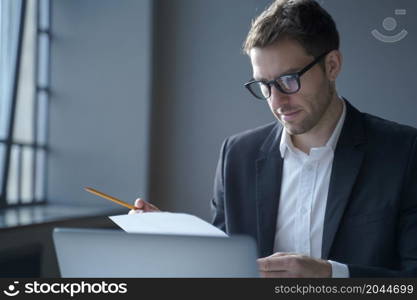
[
  {"x": 143, "y": 206},
  {"x": 283, "y": 264}
]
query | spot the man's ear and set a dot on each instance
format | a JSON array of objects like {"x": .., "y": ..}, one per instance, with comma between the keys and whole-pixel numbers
[{"x": 333, "y": 64}]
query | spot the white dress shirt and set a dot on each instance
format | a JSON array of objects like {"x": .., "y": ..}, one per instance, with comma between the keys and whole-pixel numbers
[{"x": 304, "y": 190}]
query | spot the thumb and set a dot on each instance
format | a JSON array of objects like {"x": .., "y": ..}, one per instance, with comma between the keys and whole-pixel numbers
[{"x": 139, "y": 203}]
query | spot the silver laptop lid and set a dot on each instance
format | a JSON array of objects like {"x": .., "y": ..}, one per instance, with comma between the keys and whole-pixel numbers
[{"x": 114, "y": 253}]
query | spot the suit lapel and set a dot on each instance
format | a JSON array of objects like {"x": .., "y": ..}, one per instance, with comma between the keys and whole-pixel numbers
[
  {"x": 268, "y": 187},
  {"x": 346, "y": 165},
  {"x": 347, "y": 161}
]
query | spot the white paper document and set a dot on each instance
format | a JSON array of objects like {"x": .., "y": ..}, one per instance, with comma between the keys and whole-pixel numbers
[{"x": 166, "y": 223}]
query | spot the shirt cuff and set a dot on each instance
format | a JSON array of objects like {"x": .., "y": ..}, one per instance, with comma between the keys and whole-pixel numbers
[{"x": 339, "y": 270}]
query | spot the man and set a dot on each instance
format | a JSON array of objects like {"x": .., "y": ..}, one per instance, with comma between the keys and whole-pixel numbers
[{"x": 327, "y": 191}]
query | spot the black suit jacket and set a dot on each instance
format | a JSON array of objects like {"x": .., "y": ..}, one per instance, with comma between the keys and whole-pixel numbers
[{"x": 370, "y": 221}]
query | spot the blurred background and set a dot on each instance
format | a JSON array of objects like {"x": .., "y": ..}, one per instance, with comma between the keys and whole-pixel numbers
[{"x": 135, "y": 97}]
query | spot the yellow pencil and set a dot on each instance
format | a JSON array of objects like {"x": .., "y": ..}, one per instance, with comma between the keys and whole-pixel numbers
[{"x": 95, "y": 192}]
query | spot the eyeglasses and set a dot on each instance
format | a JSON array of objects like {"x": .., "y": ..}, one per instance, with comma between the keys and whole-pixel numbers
[{"x": 287, "y": 84}]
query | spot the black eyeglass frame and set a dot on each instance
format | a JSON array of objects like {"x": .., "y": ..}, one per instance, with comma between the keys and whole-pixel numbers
[{"x": 275, "y": 83}]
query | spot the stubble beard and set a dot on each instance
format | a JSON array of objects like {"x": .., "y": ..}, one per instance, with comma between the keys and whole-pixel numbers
[{"x": 321, "y": 105}]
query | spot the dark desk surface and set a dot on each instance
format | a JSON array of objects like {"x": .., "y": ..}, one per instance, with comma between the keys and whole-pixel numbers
[{"x": 46, "y": 213}]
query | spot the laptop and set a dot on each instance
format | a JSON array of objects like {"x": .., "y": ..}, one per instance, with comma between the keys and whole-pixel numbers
[{"x": 115, "y": 253}]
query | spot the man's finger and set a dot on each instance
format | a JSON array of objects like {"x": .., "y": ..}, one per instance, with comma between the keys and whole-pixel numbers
[
  {"x": 135, "y": 211},
  {"x": 274, "y": 274},
  {"x": 273, "y": 263},
  {"x": 139, "y": 203},
  {"x": 282, "y": 254},
  {"x": 153, "y": 207}
]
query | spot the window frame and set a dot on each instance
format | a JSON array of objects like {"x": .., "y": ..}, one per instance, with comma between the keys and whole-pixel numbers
[{"x": 42, "y": 21}]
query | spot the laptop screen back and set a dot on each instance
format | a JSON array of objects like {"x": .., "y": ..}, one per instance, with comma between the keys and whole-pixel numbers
[{"x": 114, "y": 253}]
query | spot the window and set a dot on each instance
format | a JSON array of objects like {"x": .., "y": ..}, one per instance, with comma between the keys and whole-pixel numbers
[{"x": 24, "y": 95}]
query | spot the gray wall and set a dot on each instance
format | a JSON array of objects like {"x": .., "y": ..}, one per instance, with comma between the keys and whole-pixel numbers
[
  {"x": 199, "y": 96},
  {"x": 99, "y": 109},
  {"x": 378, "y": 77}
]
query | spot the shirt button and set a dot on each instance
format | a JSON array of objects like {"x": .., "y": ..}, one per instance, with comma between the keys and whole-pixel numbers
[
  {"x": 303, "y": 210},
  {"x": 309, "y": 168}
]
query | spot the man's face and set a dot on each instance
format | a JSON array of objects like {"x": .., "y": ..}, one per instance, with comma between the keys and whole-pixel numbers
[{"x": 300, "y": 112}]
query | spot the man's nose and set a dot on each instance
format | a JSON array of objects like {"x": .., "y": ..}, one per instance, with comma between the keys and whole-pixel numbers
[{"x": 277, "y": 98}]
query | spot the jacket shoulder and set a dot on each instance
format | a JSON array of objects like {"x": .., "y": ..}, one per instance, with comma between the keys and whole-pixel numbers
[
  {"x": 254, "y": 138},
  {"x": 389, "y": 130}
]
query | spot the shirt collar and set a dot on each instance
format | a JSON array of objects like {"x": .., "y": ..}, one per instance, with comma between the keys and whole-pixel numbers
[{"x": 286, "y": 142}]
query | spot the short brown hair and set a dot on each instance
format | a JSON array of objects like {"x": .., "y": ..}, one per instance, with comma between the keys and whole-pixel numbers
[{"x": 302, "y": 20}]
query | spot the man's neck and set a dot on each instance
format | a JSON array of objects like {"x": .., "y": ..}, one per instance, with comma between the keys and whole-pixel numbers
[{"x": 320, "y": 134}]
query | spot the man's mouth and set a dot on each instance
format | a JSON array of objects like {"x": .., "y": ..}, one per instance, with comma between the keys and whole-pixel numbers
[{"x": 288, "y": 116}]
